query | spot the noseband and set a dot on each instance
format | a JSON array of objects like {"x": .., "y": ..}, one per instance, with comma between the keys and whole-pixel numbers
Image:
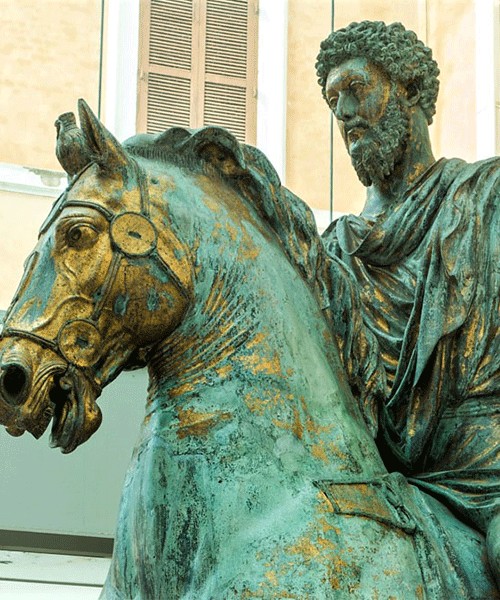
[{"x": 132, "y": 235}]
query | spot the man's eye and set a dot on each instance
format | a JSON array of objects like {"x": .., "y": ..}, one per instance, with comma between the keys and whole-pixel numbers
[
  {"x": 332, "y": 101},
  {"x": 356, "y": 86}
]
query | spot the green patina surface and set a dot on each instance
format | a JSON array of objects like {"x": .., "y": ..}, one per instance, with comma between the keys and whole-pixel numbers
[
  {"x": 280, "y": 363},
  {"x": 256, "y": 474}
]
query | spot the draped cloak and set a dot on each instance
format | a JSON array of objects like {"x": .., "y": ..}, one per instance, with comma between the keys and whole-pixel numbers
[{"x": 428, "y": 271}]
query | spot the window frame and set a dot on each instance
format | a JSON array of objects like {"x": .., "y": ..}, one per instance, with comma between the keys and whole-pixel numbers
[{"x": 121, "y": 74}]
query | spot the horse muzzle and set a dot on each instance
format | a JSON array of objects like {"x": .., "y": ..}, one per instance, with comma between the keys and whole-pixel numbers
[{"x": 38, "y": 386}]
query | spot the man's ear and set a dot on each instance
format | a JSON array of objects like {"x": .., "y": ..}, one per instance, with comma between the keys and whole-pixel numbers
[{"x": 413, "y": 93}]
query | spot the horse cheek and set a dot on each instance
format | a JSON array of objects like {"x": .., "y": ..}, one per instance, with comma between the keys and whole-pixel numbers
[{"x": 154, "y": 306}]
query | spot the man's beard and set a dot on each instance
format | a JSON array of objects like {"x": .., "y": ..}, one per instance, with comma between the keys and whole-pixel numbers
[{"x": 382, "y": 145}]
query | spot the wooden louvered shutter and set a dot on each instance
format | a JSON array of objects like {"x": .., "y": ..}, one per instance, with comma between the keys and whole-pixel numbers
[{"x": 198, "y": 65}]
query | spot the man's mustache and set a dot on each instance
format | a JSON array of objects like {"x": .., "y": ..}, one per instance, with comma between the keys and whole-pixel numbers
[{"x": 355, "y": 123}]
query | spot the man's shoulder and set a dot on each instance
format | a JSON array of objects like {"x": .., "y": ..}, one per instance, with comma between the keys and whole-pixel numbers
[
  {"x": 458, "y": 168},
  {"x": 457, "y": 183}
]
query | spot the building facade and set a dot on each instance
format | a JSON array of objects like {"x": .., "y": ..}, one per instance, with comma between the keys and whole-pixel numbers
[{"x": 243, "y": 64}]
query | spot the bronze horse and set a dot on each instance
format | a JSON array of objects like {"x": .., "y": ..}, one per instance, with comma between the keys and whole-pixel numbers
[{"x": 255, "y": 475}]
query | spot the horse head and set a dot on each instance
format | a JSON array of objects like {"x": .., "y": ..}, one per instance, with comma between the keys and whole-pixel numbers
[{"x": 102, "y": 285}]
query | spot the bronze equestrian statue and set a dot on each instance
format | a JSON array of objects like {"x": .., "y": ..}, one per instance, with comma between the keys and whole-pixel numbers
[{"x": 257, "y": 472}]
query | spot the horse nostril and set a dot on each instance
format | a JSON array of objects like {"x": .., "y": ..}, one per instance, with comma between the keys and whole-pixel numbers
[{"x": 13, "y": 383}]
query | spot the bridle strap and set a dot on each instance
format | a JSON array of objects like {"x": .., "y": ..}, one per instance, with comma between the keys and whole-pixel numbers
[
  {"x": 143, "y": 189},
  {"x": 107, "y": 285},
  {"x": 12, "y": 332}
]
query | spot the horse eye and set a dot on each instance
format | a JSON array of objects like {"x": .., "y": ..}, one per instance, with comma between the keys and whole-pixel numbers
[
  {"x": 81, "y": 236},
  {"x": 74, "y": 235}
]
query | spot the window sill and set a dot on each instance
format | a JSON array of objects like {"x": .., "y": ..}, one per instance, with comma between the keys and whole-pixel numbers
[{"x": 32, "y": 181}]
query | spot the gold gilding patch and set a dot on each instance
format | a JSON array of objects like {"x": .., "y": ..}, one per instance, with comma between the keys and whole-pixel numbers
[
  {"x": 249, "y": 252},
  {"x": 326, "y": 526},
  {"x": 389, "y": 360},
  {"x": 265, "y": 401},
  {"x": 172, "y": 253},
  {"x": 266, "y": 361},
  {"x": 268, "y": 594},
  {"x": 306, "y": 548},
  {"x": 320, "y": 550},
  {"x": 324, "y": 506},
  {"x": 272, "y": 578},
  {"x": 258, "y": 364},
  {"x": 312, "y": 426},
  {"x": 419, "y": 169},
  {"x": 325, "y": 450},
  {"x": 212, "y": 204},
  {"x": 296, "y": 426},
  {"x": 233, "y": 233},
  {"x": 192, "y": 423},
  {"x": 223, "y": 371},
  {"x": 318, "y": 451},
  {"x": 180, "y": 390},
  {"x": 382, "y": 323},
  {"x": 257, "y": 340}
]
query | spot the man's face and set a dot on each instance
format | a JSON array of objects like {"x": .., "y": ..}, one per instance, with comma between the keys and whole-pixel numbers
[{"x": 371, "y": 116}]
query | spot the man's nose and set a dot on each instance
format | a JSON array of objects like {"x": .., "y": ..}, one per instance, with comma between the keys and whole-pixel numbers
[{"x": 346, "y": 107}]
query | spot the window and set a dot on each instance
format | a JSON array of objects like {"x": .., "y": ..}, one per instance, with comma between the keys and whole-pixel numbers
[{"x": 198, "y": 65}]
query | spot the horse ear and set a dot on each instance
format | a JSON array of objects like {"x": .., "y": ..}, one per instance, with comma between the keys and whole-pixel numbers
[
  {"x": 107, "y": 150},
  {"x": 219, "y": 148}
]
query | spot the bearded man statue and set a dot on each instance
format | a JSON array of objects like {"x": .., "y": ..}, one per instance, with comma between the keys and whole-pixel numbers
[{"x": 425, "y": 254}]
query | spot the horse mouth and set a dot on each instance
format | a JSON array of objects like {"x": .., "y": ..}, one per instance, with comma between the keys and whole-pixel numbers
[
  {"x": 72, "y": 408},
  {"x": 63, "y": 403},
  {"x": 38, "y": 387}
]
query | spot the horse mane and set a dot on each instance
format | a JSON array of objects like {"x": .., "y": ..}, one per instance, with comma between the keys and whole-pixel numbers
[{"x": 249, "y": 172}]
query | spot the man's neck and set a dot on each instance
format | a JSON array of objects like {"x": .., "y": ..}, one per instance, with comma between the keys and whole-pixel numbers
[{"x": 416, "y": 159}]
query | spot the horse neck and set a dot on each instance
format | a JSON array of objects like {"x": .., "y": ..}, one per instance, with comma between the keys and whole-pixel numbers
[
  {"x": 254, "y": 342},
  {"x": 224, "y": 320}
]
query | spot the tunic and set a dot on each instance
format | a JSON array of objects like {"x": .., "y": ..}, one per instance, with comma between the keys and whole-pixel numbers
[{"x": 428, "y": 273}]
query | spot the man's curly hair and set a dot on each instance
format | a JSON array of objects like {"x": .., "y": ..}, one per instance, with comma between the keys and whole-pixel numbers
[{"x": 398, "y": 51}]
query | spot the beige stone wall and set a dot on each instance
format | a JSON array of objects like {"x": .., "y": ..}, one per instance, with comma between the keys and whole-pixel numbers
[
  {"x": 308, "y": 119},
  {"x": 20, "y": 218},
  {"x": 447, "y": 26},
  {"x": 50, "y": 58},
  {"x": 451, "y": 35}
]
